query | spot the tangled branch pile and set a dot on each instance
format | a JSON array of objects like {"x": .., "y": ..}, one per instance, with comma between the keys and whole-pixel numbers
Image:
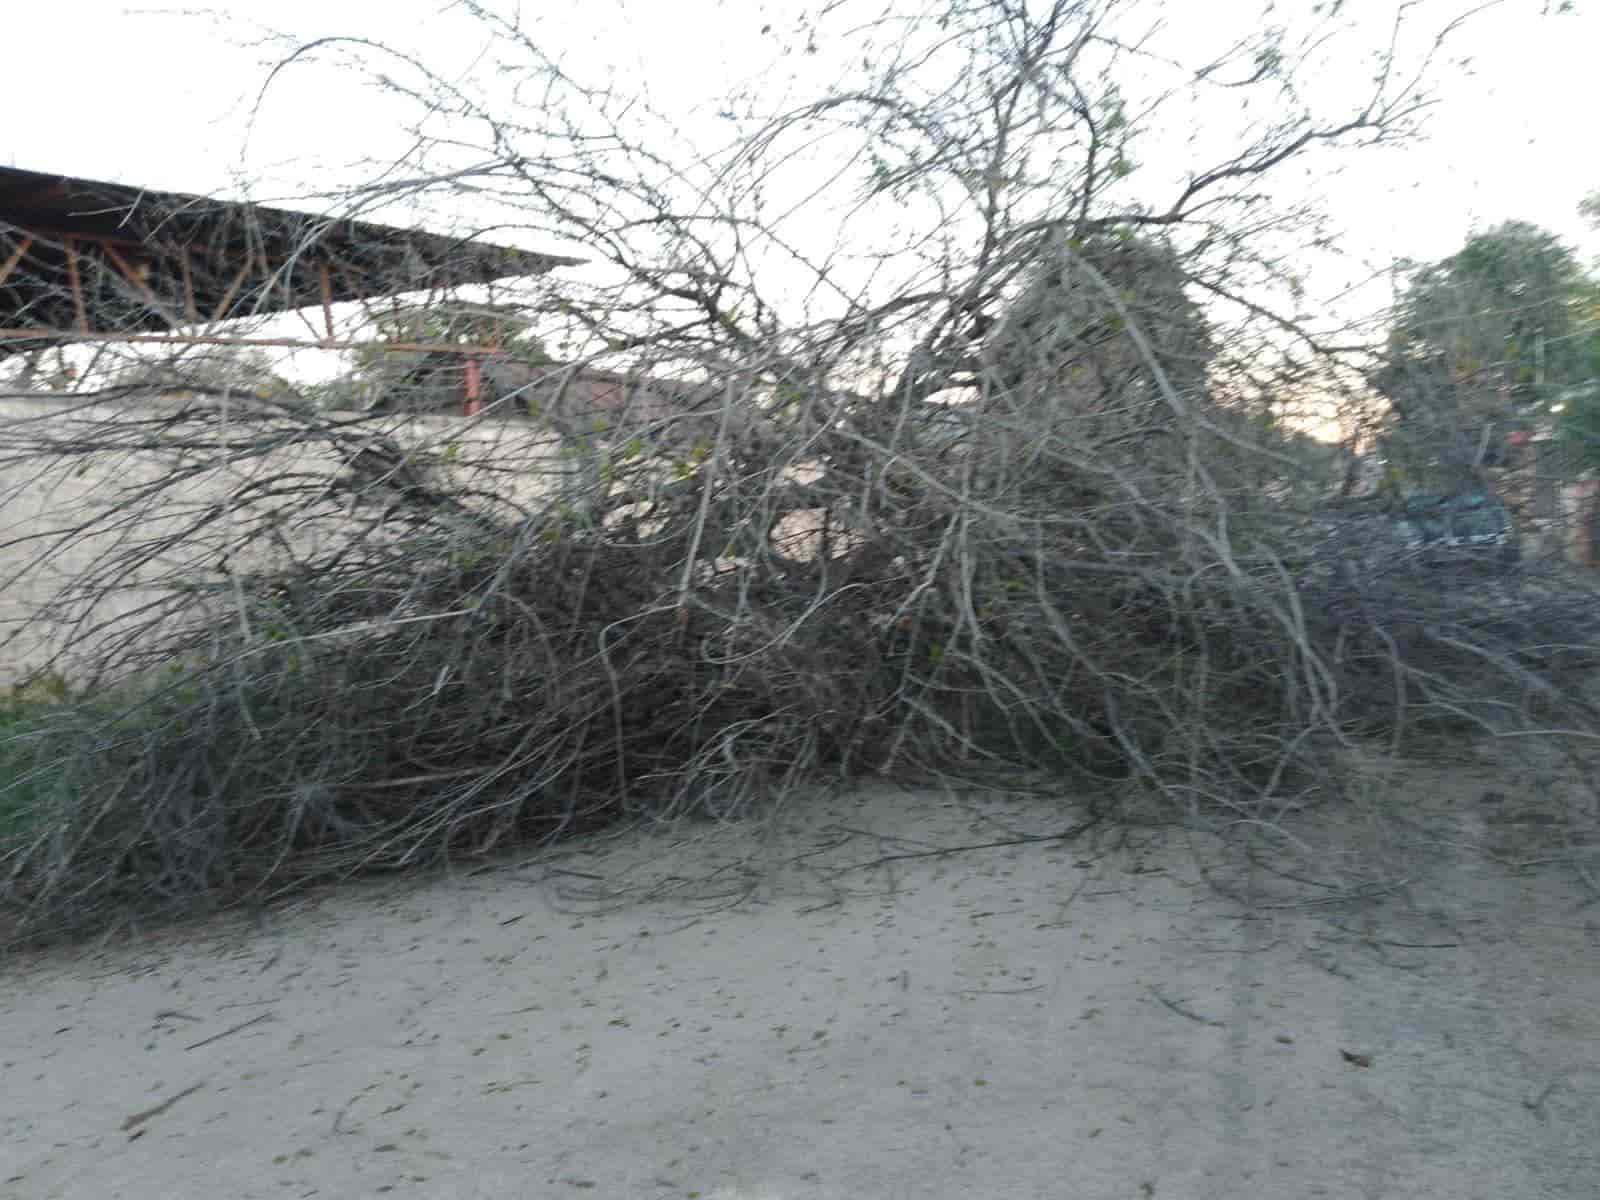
[
  {"x": 1013, "y": 521},
  {"x": 1067, "y": 576}
]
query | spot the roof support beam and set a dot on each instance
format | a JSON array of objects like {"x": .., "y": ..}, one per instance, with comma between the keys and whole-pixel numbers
[
  {"x": 82, "y": 256},
  {"x": 233, "y": 290},
  {"x": 17, "y": 256},
  {"x": 136, "y": 279},
  {"x": 207, "y": 339}
]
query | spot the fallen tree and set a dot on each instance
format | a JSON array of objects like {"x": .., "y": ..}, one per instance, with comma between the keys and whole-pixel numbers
[{"x": 1025, "y": 510}]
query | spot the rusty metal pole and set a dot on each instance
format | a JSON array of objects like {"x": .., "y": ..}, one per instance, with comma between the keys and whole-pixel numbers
[{"x": 472, "y": 402}]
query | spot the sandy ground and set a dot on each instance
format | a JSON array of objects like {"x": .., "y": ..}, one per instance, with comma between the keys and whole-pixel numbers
[{"x": 1087, "y": 1019}]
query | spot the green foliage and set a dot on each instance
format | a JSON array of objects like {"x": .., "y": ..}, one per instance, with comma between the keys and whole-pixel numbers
[
  {"x": 1578, "y": 426},
  {"x": 28, "y": 776},
  {"x": 1500, "y": 313},
  {"x": 501, "y": 325},
  {"x": 334, "y": 394},
  {"x": 1578, "y": 406},
  {"x": 1484, "y": 342}
]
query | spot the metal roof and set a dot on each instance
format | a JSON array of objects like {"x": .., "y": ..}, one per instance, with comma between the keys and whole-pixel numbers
[{"x": 83, "y": 258}]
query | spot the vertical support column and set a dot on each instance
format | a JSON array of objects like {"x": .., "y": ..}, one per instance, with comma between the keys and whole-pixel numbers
[
  {"x": 472, "y": 399},
  {"x": 75, "y": 278},
  {"x": 190, "y": 311},
  {"x": 325, "y": 279}
]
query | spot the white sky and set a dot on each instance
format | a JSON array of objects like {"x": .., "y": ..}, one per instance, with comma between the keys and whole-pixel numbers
[{"x": 160, "y": 97}]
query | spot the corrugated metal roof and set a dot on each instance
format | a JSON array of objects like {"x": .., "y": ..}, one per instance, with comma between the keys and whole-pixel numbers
[{"x": 81, "y": 256}]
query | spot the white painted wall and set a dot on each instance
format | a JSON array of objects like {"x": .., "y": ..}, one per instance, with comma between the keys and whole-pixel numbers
[{"x": 44, "y": 502}]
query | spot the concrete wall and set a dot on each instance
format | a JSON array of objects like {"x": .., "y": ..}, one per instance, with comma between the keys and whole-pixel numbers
[
  {"x": 114, "y": 518},
  {"x": 118, "y": 524}
]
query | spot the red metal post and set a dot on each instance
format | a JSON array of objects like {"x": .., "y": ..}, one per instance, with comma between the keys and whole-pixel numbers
[{"x": 472, "y": 401}]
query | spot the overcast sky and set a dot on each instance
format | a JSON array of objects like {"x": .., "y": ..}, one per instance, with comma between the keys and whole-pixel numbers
[{"x": 163, "y": 98}]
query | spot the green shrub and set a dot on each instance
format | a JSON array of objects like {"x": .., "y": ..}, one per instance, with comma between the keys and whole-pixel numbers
[{"x": 29, "y": 775}]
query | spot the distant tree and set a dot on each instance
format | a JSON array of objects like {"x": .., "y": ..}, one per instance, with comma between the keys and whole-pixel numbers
[
  {"x": 387, "y": 374},
  {"x": 1578, "y": 407},
  {"x": 503, "y": 326},
  {"x": 1076, "y": 305},
  {"x": 1481, "y": 344},
  {"x": 1578, "y": 426}
]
